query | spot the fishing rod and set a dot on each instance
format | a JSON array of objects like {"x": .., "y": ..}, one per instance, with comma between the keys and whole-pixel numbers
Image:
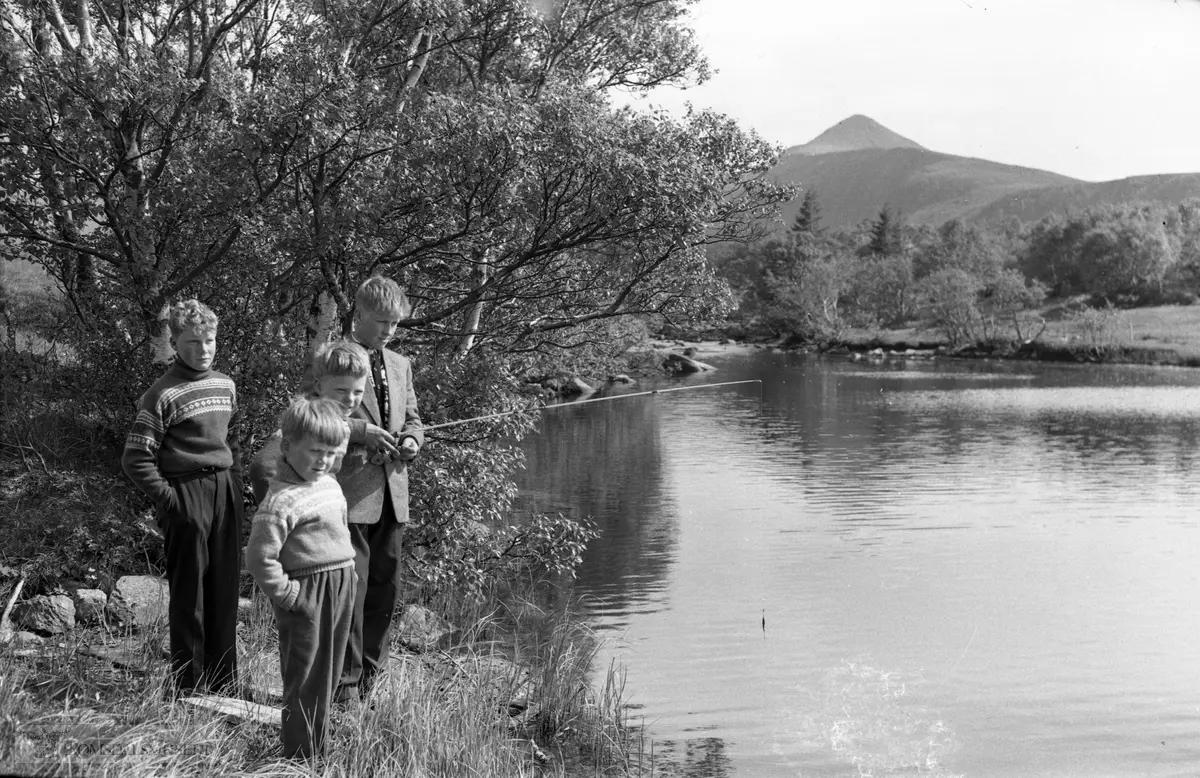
[{"x": 445, "y": 424}]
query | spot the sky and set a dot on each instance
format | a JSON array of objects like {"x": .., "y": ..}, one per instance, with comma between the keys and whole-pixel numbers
[{"x": 1094, "y": 89}]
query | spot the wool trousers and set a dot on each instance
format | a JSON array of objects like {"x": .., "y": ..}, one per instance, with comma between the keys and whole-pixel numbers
[
  {"x": 312, "y": 648},
  {"x": 377, "y": 550},
  {"x": 203, "y": 543}
]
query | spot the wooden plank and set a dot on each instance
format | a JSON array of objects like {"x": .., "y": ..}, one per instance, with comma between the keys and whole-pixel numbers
[
  {"x": 125, "y": 656},
  {"x": 229, "y": 706}
]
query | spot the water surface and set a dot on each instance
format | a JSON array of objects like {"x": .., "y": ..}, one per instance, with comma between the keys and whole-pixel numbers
[{"x": 912, "y": 568}]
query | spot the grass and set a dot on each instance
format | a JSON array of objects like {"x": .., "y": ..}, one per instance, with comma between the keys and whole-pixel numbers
[{"x": 464, "y": 711}]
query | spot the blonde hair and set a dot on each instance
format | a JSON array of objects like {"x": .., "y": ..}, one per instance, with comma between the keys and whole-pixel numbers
[
  {"x": 191, "y": 313},
  {"x": 382, "y": 295},
  {"x": 322, "y": 420},
  {"x": 341, "y": 357}
]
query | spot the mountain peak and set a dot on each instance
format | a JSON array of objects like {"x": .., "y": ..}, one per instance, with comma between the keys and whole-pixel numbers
[{"x": 853, "y": 133}]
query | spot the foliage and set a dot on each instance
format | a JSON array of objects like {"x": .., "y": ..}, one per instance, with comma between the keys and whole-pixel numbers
[
  {"x": 266, "y": 156},
  {"x": 967, "y": 247},
  {"x": 950, "y": 296},
  {"x": 1120, "y": 253},
  {"x": 1009, "y": 298},
  {"x": 798, "y": 285},
  {"x": 1100, "y": 328},
  {"x": 883, "y": 290}
]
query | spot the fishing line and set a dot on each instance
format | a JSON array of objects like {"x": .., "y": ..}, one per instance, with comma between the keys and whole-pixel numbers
[{"x": 501, "y": 414}]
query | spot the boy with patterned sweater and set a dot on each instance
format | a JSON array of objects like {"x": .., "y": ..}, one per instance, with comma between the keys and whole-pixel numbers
[
  {"x": 177, "y": 454},
  {"x": 302, "y": 558}
]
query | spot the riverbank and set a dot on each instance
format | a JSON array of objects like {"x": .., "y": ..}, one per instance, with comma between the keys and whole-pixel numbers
[
  {"x": 1157, "y": 335},
  {"x": 507, "y": 693}
]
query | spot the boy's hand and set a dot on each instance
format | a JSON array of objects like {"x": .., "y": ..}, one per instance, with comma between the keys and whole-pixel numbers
[
  {"x": 408, "y": 449},
  {"x": 380, "y": 441}
]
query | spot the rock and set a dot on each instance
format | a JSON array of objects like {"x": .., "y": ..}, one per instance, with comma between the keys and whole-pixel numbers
[
  {"x": 89, "y": 605},
  {"x": 138, "y": 601},
  {"x": 678, "y": 363},
  {"x": 620, "y": 378},
  {"x": 25, "y": 639},
  {"x": 420, "y": 629},
  {"x": 577, "y": 387},
  {"x": 52, "y": 614}
]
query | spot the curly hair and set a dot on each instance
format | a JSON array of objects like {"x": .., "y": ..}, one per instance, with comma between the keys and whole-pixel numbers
[{"x": 191, "y": 313}]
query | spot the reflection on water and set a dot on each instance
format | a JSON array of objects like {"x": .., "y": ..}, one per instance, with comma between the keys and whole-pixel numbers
[{"x": 943, "y": 568}]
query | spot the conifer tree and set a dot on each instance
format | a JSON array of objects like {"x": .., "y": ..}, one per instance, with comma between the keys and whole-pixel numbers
[
  {"x": 886, "y": 238},
  {"x": 808, "y": 218}
]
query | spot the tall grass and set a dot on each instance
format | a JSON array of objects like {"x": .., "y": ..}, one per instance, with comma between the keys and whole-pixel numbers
[{"x": 466, "y": 710}]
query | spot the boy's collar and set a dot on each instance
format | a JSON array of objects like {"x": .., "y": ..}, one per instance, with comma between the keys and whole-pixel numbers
[
  {"x": 187, "y": 371},
  {"x": 286, "y": 473}
]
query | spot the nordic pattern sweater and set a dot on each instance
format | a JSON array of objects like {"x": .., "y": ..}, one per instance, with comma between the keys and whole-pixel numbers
[
  {"x": 300, "y": 529},
  {"x": 181, "y": 426}
]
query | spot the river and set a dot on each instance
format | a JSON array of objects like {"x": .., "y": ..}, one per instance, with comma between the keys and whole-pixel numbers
[{"x": 904, "y": 568}]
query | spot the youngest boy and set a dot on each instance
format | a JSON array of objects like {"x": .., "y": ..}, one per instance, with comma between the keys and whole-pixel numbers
[
  {"x": 301, "y": 557},
  {"x": 339, "y": 370}
]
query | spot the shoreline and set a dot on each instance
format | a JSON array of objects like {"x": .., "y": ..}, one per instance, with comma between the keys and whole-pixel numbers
[{"x": 897, "y": 346}]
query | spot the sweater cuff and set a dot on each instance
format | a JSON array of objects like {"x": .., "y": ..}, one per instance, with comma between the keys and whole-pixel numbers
[{"x": 293, "y": 593}]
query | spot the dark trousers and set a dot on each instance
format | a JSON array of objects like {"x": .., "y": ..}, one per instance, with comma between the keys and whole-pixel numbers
[
  {"x": 377, "y": 550},
  {"x": 203, "y": 542},
  {"x": 312, "y": 649}
]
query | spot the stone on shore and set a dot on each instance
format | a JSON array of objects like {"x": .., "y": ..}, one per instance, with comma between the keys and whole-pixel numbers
[
  {"x": 24, "y": 639},
  {"x": 138, "y": 601},
  {"x": 51, "y": 614},
  {"x": 89, "y": 606},
  {"x": 678, "y": 363},
  {"x": 420, "y": 629}
]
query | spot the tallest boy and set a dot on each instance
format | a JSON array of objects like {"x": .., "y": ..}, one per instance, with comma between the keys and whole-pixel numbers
[{"x": 377, "y": 490}]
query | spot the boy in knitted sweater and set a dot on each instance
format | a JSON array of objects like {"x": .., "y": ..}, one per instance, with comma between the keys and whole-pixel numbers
[
  {"x": 301, "y": 557},
  {"x": 177, "y": 454}
]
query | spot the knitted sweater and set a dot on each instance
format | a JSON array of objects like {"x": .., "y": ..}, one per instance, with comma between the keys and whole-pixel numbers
[
  {"x": 300, "y": 529},
  {"x": 181, "y": 427}
]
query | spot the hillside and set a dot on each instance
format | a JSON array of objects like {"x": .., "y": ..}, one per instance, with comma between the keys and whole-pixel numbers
[{"x": 858, "y": 166}]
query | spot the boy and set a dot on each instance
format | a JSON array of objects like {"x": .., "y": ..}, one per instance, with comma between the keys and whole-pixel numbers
[
  {"x": 377, "y": 492},
  {"x": 301, "y": 557},
  {"x": 176, "y": 453},
  {"x": 339, "y": 372}
]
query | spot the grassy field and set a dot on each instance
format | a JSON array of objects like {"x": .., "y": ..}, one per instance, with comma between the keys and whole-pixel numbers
[{"x": 1167, "y": 334}]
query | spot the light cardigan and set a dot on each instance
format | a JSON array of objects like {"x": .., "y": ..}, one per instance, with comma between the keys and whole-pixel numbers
[{"x": 299, "y": 530}]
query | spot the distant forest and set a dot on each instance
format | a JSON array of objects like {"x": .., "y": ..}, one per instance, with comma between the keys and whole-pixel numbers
[{"x": 972, "y": 282}]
